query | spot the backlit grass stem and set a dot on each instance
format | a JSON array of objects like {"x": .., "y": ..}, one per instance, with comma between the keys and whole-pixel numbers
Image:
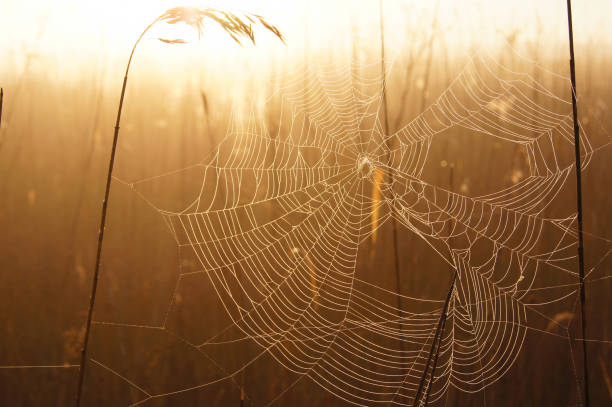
[
  {"x": 579, "y": 201},
  {"x": 1, "y": 101},
  {"x": 236, "y": 27}
]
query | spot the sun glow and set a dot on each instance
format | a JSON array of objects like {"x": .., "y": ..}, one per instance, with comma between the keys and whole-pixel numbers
[{"x": 67, "y": 34}]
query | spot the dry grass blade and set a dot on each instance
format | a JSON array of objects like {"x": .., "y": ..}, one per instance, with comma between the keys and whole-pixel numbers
[
  {"x": 175, "y": 41},
  {"x": 204, "y": 102},
  {"x": 558, "y": 319},
  {"x": 377, "y": 180},
  {"x": 1, "y": 101},
  {"x": 270, "y": 27}
]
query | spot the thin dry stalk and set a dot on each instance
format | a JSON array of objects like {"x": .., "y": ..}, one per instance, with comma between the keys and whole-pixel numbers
[
  {"x": 432, "y": 377},
  {"x": 579, "y": 201},
  {"x": 434, "y": 29},
  {"x": 377, "y": 180},
  {"x": 436, "y": 339},
  {"x": 389, "y": 146},
  {"x": 1, "y": 101},
  {"x": 236, "y": 27}
]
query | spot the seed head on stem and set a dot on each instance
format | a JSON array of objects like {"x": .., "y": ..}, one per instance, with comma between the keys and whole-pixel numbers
[{"x": 236, "y": 27}]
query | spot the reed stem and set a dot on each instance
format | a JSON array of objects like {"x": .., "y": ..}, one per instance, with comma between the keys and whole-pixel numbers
[
  {"x": 109, "y": 177},
  {"x": 579, "y": 201},
  {"x": 439, "y": 330},
  {"x": 1, "y": 101},
  {"x": 435, "y": 363},
  {"x": 193, "y": 17},
  {"x": 393, "y": 220}
]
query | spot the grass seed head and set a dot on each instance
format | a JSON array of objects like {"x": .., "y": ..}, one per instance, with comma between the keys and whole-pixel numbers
[{"x": 237, "y": 27}]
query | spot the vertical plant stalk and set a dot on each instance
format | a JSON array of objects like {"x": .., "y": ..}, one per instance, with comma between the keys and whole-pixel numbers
[
  {"x": 451, "y": 183},
  {"x": 393, "y": 220},
  {"x": 430, "y": 45},
  {"x": 578, "y": 201},
  {"x": 109, "y": 176},
  {"x": 437, "y": 338},
  {"x": 235, "y": 27},
  {"x": 242, "y": 390},
  {"x": 1, "y": 101},
  {"x": 435, "y": 363}
]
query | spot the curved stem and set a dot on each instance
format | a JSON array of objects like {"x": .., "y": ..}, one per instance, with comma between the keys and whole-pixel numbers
[{"x": 109, "y": 176}]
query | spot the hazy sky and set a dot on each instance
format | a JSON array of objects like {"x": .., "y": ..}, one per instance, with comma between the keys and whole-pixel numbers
[{"x": 63, "y": 35}]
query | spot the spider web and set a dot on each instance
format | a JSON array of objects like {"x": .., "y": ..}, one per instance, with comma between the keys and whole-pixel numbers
[{"x": 283, "y": 214}]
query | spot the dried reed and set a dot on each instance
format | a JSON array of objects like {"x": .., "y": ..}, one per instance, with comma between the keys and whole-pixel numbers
[
  {"x": 436, "y": 340},
  {"x": 579, "y": 201},
  {"x": 1, "y": 101}
]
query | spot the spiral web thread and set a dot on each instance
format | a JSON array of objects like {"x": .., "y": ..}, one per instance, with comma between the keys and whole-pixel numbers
[
  {"x": 283, "y": 212},
  {"x": 281, "y": 216}
]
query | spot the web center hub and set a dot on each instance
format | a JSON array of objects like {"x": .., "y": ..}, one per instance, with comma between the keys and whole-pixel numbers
[{"x": 365, "y": 165}]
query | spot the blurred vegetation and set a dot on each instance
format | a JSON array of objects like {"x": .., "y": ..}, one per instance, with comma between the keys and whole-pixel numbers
[{"x": 54, "y": 146}]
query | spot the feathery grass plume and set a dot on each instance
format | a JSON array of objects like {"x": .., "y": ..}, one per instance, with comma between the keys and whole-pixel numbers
[
  {"x": 236, "y": 27},
  {"x": 175, "y": 41}
]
